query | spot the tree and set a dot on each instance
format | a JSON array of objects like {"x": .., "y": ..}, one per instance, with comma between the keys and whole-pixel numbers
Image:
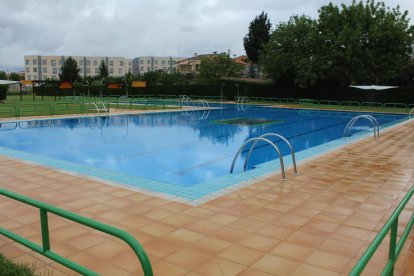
[
  {"x": 257, "y": 37},
  {"x": 70, "y": 71},
  {"x": 3, "y": 75},
  {"x": 364, "y": 43},
  {"x": 15, "y": 77},
  {"x": 357, "y": 44},
  {"x": 103, "y": 70},
  {"x": 288, "y": 58},
  {"x": 214, "y": 67}
]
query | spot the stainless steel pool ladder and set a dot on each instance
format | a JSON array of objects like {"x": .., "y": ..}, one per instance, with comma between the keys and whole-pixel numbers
[
  {"x": 262, "y": 138},
  {"x": 356, "y": 118},
  {"x": 411, "y": 112},
  {"x": 292, "y": 152}
]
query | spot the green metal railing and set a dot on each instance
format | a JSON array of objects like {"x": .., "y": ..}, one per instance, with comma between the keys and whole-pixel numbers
[
  {"x": 394, "y": 247},
  {"x": 44, "y": 249}
]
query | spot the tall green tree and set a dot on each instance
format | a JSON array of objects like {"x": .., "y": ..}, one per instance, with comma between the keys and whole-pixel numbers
[
  {"x": 216, "y": 66},
  {"x": 15, "y": 77},
  {"x": 3, "y": 75},
  {"x": 363, "y": 43},
  {"x": 70, "y": 71},
  {"x": 103, "y": 70},
  {"x": 289, "y": 56},
  {"x": 257, "y": 37}
]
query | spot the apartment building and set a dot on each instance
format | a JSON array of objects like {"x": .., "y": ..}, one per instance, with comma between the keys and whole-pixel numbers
[
  {"x": 49, "y": 67},
  {"x": 146, "y": 64}
]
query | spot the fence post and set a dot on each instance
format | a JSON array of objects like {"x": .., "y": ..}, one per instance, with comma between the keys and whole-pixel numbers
[{"x": 45, "y": 229}]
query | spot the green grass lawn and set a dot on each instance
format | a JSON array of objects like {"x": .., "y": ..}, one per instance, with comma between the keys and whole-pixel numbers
[
  {"x": 48, "y": 106},
  {"x": 8, "y": 268}
]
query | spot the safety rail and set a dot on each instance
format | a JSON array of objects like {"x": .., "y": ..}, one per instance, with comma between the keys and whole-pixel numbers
[
  {"x": 12, "y": 110},
  {"x": 282, "y": 166},
  {"x": 99, "y": 107},
  {"x": 70, "y": 107},
  {"x": 394, "y": 247},
  {"x": 292, "y": 152},
  {"x": 356, "y": 118},
  {"x": 42, "y": 108},
  {"x": 44, "y": 249}
]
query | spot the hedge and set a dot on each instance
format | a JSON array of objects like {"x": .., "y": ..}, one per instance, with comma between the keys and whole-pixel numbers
[
  {"x": 400, "y": 95},
  {"x": 3, "y": 92}
]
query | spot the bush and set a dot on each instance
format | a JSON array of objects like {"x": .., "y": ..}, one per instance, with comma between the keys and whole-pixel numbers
[
  {"x": 7, "y": 268},
  {"x": 3, "y": 92}
]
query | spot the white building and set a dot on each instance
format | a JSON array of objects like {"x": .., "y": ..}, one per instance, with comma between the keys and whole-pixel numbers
[
  {"x": 143, "y": 65},
  {"x": 49, "y": 67}
]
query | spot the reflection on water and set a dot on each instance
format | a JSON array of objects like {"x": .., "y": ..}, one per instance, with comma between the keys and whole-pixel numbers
[{"x": 182, "y": 148}]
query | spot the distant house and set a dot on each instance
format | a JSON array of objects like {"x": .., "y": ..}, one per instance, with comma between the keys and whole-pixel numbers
[
  {"x": 249, "y": 68},
  {"x": 191, "y": 65}
]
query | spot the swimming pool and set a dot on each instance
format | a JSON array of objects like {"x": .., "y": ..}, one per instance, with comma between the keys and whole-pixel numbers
[{"x": 184, "y": 154}]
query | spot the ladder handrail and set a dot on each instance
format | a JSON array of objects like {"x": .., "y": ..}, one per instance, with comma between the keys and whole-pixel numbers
[
  {"x": 45, "y": 250},
  {"x": 411, "y": 112},
  {"x": 282, "y": 167},
  {"x": 356, "y": 118},
  {"x": 292, "y": 152}
]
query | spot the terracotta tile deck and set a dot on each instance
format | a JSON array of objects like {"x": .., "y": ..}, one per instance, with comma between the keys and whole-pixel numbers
[{"x": 316, "y": 223}]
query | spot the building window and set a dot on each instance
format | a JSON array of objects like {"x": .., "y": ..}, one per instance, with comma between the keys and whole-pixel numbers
[
  {"x": 95, "y": 63},
  {"x": 35, "y": 62},
  {"x": 141, "y": 62},
  {"x": 27, "y": 70},
  {"x": 148, "y": 69},
  {"x": 54, "y": 70},
  {"x": 34, "y": 70},
  {"x": 148, "y": 61},
  {"x": 88, "y": 63},
  {"x": 130, "y": 63},
  {"x": 156, "y": 62},
  {"x": 141, "y": 68},
  {"x": 88, "y": 70},
  {"x": 27, "y": 62},
  {"x": 44, "y": 69},
  {"x": 120, "y": 71},
  {"x": 111, "y": 70},
  {"x": 81, "y": 62},
  {"x": 29, "y": 77},
  {"x": 96, "y": 70},
  {"x": 81, "y": 70},
  {"x": 163, "y": 62},
  {"x": 121, "y": 63},
  {"x": 164, "y": 68},
  {"x": 53, "y": 62},
  {"x": 111, "y": 63},
  {"x": 44, "y": 62}
]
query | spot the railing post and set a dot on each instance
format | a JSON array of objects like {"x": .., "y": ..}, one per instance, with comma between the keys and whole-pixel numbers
[
  {"x": 393, "y": 243},
  {"x": 44, "y": 227}
]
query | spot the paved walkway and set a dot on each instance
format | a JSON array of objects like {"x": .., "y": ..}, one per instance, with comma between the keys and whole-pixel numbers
[{"x": 316, "y": 223}]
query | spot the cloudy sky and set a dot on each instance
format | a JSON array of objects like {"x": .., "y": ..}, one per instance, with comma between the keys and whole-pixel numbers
[{"x": 134, "y": 28}]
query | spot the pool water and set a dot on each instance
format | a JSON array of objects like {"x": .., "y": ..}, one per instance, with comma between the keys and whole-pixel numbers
[{"x": 182, "y": 149}]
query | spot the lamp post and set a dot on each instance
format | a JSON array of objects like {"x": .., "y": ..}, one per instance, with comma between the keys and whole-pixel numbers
[
  {"x": 87, "y": 82},
  {"x": 126, "y": 87},
  {"x": 101, "y": 86},
  {"x": 237, "y": 85},
  {"x": 221, "y": 97}
]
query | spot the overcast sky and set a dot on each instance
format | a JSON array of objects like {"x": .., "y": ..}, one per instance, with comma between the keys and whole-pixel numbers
[{"x": 134, "y": 28}]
